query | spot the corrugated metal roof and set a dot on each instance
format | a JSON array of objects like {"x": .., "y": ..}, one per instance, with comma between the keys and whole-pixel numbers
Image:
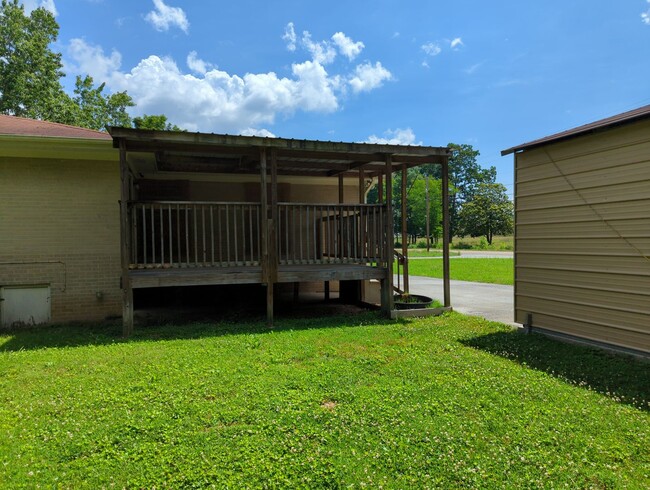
[
  {"x": 20, "y": 126},
  {"x": 625, "y": 117}
]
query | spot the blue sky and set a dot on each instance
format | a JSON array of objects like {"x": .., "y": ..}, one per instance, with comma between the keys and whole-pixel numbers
[{"x": 491, "y": 74}]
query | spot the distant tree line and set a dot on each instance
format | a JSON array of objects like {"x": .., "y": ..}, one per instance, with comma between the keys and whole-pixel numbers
[
  {"x": 31, "y": 73},
  {"x": 478, "y": 205}
]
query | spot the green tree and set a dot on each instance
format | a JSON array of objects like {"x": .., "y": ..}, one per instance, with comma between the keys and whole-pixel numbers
[
  {"x": 30, "y": 71},
  {"x": 465, "y": 175},
  {"x": 30, "y": 75},
  {"x": 156, "y": 122},
  {"x": 415, "y": 204},
  {"x": 92, "y": 109},
  {"x": 488, "y": 213}
]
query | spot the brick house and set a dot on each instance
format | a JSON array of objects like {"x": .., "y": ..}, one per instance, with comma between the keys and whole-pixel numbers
[{"x": 59, "y": 223}]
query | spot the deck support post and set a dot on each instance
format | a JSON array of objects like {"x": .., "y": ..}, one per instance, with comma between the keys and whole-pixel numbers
[
  {"x": 387, "y": 282},
  {"x": 380, "y": 188},
  {"x": 405, "y": 245},
  {"x": 362, "y": 187},
  {"x": 445, "y": 234},
  {"x": 125, "y": 243},
  {"x": 266, "y": 279},
  {"x": 340, "y": 220}
]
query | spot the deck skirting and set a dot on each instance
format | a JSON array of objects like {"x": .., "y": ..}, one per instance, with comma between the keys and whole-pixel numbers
[{"x": 204, "y": 276}]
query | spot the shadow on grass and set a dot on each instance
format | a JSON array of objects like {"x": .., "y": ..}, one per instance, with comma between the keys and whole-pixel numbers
[
  {"x": 623, "y": 378},
  {"x": 60, "y": 336}
]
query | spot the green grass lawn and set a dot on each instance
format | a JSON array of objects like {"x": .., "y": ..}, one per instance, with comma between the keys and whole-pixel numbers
[
  {"x": 451, "y": 402},
  {"x": 495, "y": 271}
]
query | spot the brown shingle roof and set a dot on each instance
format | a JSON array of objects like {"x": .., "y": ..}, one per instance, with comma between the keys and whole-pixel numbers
[
  {"x": 21, "y": 126},
  {"x": 625, "y": 117}
]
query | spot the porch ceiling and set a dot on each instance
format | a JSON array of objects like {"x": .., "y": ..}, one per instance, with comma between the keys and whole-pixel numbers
[{"x": 216, "y": 153}]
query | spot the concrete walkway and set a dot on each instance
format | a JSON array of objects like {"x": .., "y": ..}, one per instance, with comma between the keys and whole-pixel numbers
[{"x": 492, "y": 301}]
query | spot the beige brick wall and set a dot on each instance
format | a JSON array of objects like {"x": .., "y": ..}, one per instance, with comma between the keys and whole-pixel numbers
[{"x": 59, "y": 225}]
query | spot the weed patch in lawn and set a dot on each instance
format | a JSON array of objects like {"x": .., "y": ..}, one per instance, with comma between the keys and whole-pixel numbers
[{"x": 352, "y": 401}]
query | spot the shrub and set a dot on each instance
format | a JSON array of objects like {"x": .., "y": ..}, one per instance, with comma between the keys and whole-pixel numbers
[{"x": 461, "y": 245}]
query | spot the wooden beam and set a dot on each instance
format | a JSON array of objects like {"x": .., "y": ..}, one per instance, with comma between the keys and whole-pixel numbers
[
  {"x": 348, "y": 167},
  {"x": 445, "y": 234},
  {"x": 405, "y": 246},
  {"x": 264, "y": 223},
  {"x": 273, "y": 249},
  {"x": 380, "y": 188},
  {"x": 284, "y": 146},
  {"x": 125, "y": 242},
  {"x": 387, "y": 283},
  {"x": 413, "y": 160}
]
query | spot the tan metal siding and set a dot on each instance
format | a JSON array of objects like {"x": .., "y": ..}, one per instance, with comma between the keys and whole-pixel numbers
[{"x": 582, "y": 239}]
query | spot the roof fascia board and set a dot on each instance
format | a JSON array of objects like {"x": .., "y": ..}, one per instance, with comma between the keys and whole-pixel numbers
[
  {"x": 19, "y": 146},
  {"x": 169, "y": 138}
]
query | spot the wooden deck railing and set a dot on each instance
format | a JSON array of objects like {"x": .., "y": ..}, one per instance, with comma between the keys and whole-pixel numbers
[
  {"x": 173, "y": 234},
  {"x": 400, "y": 271},
  {"x": 331, "y": 233}
]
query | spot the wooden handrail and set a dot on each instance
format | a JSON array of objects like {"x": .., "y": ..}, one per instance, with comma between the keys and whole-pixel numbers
[{"x": 402, "y": 261}]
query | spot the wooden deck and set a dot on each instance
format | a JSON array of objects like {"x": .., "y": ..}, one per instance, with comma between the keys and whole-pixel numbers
[
  {"x": 203, "y": 276},
  {"x": 185, "y": 242}
]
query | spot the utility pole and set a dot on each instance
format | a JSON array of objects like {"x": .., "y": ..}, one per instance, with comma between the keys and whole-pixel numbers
[{"x": 426, "y": 193}]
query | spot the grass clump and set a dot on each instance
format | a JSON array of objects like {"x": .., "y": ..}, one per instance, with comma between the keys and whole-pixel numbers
[
  {"x": 499, "y": 243},
  {"x": 450, "y": 402}
]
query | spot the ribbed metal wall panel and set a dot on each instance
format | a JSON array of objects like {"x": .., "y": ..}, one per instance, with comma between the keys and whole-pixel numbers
[{"x": 582, "y": 238}]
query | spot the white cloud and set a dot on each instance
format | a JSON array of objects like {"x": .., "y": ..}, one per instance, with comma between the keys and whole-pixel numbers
[
  {"x": 645, "y": 16},
  {"x": 213, "y": 100},
  {"x": 509, "y": 83},
  {"x": 31, "y": 5},
  {"x": 290, "y": 36},
  {"x": 197, "y": 65},
  {"x": 432, "y": 49},
  {"x": 202, "y": 97},
  {"x": 264, "y": 133},
  {"x": 164, "y": 17},
  {"x": 456, "y": 43},
  {"x": 395, "y": 137},
  {"x": 91, "y": 60},
  {"x": 368, "y": 77},
  {"x": 347, "y": 46},
  {"x": 322, "y": 52},
  {"x": 474, "y": 68},
  {"x": 314, "y": 89}
]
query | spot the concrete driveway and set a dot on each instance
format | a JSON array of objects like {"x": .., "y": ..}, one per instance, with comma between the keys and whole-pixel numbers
[{"x": 491, "y": 301}]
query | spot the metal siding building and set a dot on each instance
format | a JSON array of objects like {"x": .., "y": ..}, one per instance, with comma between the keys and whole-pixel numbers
[{"x": 582, "y": 237}]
